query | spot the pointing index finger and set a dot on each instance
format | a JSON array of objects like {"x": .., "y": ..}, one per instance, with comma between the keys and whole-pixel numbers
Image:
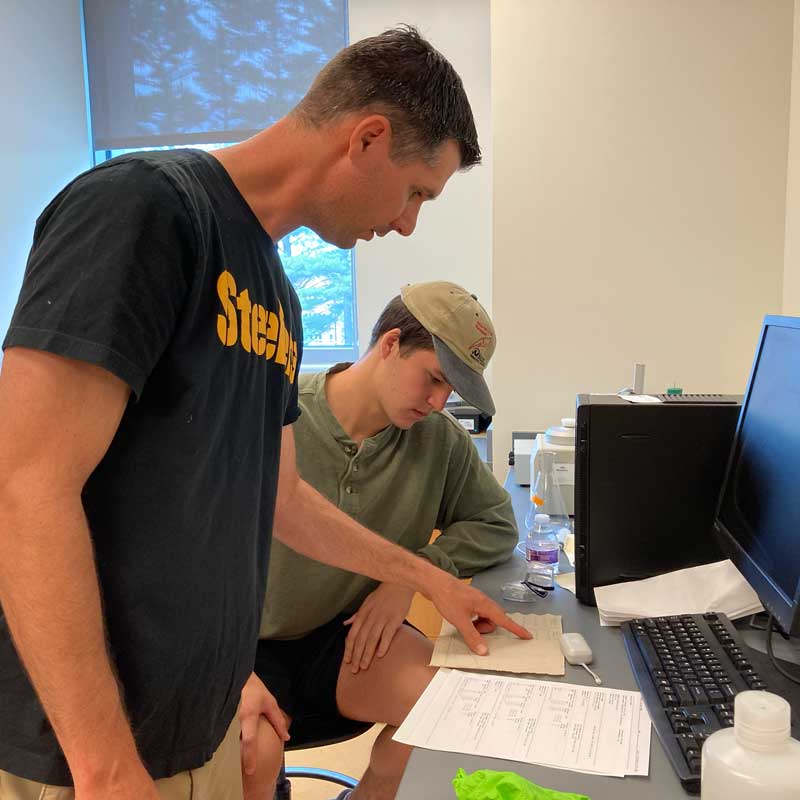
[
  {"x": 509, "y": 624},
  {"x": 499, "y": 617}
]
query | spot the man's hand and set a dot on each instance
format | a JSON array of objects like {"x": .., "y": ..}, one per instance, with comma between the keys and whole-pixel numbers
[
  {"x": 257, "y": 702},
  {"x": 374, "y": 625},
  {"x": 472, "y": 612}
]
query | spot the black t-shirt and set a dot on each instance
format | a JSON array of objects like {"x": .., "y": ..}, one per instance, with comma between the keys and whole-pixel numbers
[{"x": 154, "y": 267}]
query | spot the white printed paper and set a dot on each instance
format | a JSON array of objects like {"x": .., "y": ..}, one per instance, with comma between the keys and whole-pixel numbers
[{"x": 583, "y": 728}]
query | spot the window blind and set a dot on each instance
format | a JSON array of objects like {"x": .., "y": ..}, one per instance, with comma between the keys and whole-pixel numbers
[{"x": 172, "y": 72}]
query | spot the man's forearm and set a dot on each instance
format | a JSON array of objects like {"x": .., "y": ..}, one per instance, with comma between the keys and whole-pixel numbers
[
  {"x": 51, "y": 601},
  {"x": 316, "y": 528}
]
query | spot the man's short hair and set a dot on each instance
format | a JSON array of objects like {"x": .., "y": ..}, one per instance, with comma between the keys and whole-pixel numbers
[
  {"x": 413, "y": 336},
  {"x": 402, "y": 76}
]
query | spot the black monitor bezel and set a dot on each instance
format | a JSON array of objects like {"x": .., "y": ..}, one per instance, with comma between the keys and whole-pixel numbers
[{"x": 787, "y": 614}]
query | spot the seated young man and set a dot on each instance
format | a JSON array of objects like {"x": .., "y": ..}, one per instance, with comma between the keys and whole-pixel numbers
[{"x": 373, "y": 438}]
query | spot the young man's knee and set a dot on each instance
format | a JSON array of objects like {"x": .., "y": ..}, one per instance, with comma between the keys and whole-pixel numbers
[{"x": 414, "y": 681}]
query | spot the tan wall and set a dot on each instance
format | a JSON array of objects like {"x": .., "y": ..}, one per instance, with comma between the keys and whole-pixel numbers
[
  {"x": 791, "y": 280},
  {"x": 639, "y": 195},
  {"x": 453, "y": 240}
]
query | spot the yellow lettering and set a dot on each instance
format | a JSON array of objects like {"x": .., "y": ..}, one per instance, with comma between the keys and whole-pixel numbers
[
  {"x": 226, "y": 323},
  {"x": 258, "y": 329},
  {"x": 272, "y": 335},
  {"x": 291, "y": 367},
  {"x": 244, "y": 305},
  {"x": 258, "y": 318},
  {"x": 282, "y": 354}
]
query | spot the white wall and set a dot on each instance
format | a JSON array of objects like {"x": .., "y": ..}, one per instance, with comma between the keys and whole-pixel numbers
[
  {"x": 639, "y": 195},
  {"x": 453, "y": 236},
  {"x": 44, "y": 141},
  {"x": 791, "y": 276}
]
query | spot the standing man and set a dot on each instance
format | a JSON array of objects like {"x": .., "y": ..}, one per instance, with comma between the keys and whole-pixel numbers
[
  {"x": 146, "y": 401},
  {"x": 374, "y": 439}
]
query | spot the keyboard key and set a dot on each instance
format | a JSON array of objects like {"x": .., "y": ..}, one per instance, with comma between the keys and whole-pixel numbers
[
  {"x": 699, "y": 694},
  {"x": 685, "y": 697},
  {"x": 728, "y": 691}
]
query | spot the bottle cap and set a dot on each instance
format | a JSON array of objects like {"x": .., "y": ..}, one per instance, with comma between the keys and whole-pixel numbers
[
  {"x": 761, "y": 720},
  {"x": 542, "y": 519}
]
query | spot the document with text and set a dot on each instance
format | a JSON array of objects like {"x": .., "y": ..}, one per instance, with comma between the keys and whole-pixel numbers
[
  {"x": 541, "y": 654},
  {"x": 582, "y": 728}
]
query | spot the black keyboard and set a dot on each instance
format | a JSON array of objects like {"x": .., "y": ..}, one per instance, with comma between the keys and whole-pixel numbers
[{"x": 689, "y": 668}]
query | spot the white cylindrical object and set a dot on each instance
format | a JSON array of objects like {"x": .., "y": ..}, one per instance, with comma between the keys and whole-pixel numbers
[
  {"x": 756, "y": 759},
  {"x": 638, "y": 378}
]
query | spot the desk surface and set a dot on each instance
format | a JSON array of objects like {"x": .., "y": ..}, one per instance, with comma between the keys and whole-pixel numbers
[{"x": 430, "y": 773}]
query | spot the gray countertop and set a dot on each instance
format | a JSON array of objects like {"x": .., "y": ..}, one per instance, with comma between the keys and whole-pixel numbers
[{"x": 430, "y": 773}]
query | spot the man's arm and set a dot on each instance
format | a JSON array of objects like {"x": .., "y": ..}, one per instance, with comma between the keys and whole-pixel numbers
[
  {"x": 302, "y": 512},
  {"x": 57, "y": 419},
  {"x": 477, "y": 524}
]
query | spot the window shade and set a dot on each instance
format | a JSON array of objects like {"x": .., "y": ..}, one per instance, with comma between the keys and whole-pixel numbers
[{"x": 171, "y": 72}]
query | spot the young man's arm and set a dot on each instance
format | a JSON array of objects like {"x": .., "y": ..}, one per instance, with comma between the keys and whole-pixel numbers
[
  {"x": 302, "y": 514},
  {"x": 476, "y": 518},
  {"x": 57, "y": 418},
  {"x": 478, "y": 531}
]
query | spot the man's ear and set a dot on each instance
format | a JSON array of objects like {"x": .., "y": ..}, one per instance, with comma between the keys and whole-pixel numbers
[
  {"x": 371, "y": 135},
  {"x": 389, "y": 342}
]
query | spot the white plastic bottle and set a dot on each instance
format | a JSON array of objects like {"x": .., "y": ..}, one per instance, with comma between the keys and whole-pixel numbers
[
  {"x": 541, "y": 547},
  {"x": 756, "y": 759}
]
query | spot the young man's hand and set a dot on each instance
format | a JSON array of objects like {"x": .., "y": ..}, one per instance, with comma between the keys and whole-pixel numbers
[
  {"x": 374, "y": 625},
  {"x": 257, "y": 702},
  {"x": 472, "y": 612}
]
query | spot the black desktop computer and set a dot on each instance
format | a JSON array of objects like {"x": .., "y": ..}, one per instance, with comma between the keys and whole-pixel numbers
[
  {"x": 647, "y": 477},
  {"x": 690, "y": 667}
]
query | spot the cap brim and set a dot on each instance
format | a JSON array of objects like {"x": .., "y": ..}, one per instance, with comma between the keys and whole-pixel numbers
[{"x": 468, "y": 383}]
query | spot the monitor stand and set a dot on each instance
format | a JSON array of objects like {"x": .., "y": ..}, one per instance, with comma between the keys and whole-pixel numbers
[{"x": 783, "y": 650}]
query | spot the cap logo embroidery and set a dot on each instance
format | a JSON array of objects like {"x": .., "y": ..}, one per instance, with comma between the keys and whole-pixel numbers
[
  {"x": 478, "y": 356},
  {"x": 482, "y": 329},
  {"x": 479, "y": 344}
]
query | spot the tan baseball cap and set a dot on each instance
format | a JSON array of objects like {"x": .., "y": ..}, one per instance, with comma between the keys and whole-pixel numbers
[{"x": 463, "y": 336}]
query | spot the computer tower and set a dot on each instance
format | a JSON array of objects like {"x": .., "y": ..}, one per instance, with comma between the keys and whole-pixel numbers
[{"x": 647, "y": 478}]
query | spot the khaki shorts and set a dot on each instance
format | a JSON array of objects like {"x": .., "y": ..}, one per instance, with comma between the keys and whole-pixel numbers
[{"x": 218, "y": 779}]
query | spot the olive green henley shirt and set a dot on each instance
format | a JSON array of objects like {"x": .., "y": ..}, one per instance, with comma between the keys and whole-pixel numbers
[{"x": 401, "y": 484}]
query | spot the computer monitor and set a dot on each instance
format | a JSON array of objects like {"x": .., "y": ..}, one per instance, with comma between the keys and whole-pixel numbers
[{"x": 758, "y": 514}]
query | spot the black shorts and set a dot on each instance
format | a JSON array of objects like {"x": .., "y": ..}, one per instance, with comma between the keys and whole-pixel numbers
[{"x": 302, "y": 673}]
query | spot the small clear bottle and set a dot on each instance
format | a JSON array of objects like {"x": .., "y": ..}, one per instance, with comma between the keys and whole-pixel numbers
[
  {"x": 541, "y": 546},
  {"x": 756, "y": 759}
]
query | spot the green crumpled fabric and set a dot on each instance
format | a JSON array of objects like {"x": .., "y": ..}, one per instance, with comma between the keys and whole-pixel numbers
[{"x": 487, "y": 784}]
